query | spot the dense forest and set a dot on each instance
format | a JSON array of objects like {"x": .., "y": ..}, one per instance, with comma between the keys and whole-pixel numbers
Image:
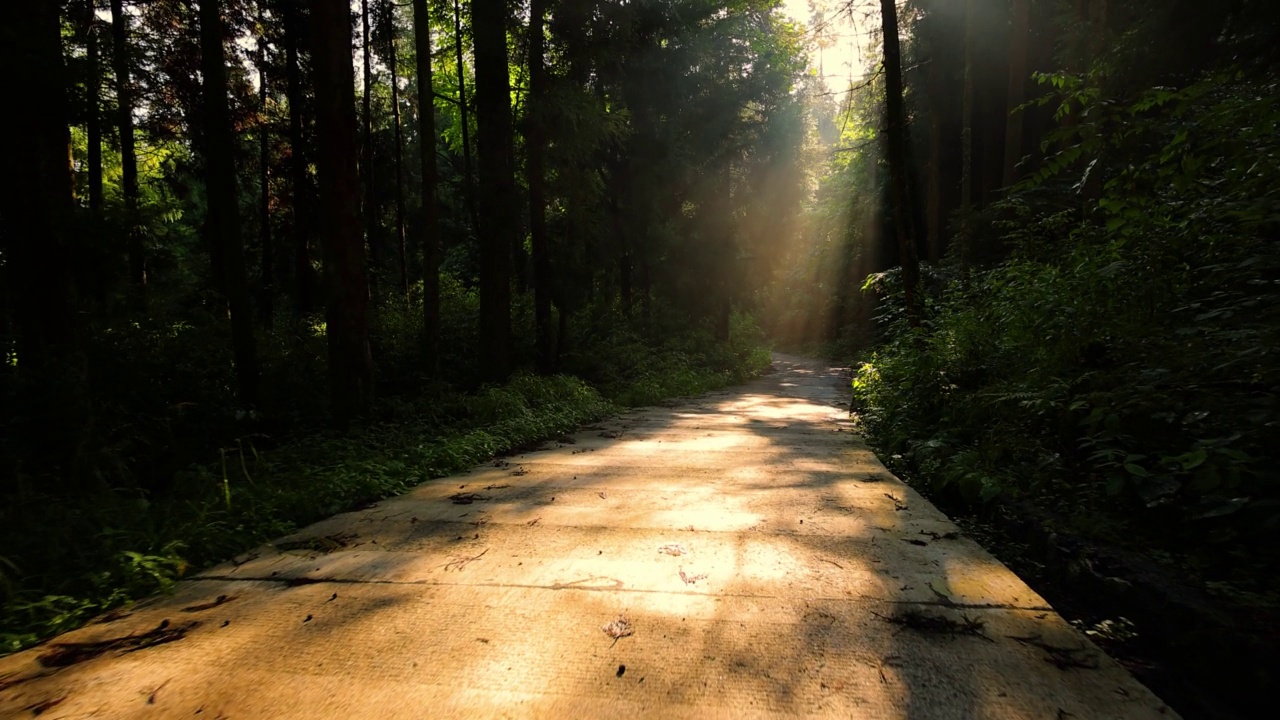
[
  {"x": 1075, "y": 308},
  {"x": 262, "y": 261}
]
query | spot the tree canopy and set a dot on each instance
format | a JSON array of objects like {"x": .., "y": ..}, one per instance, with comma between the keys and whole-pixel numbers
[{"x": 264, "y": 259}]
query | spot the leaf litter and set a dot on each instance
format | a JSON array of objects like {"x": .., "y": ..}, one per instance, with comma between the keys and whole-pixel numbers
[
  {"x": 675, "y": 549},
  {"x": 220, "y": 600},
  {"x": 691, "y": 579},
  {"x": 326, "y": 544},
  {"x": 931, "y": 624},
  {"x": 70, "y": 653},
  {"x": 466, "y": 498},
  {"x": 1064, "y": 658},
  {"x": 618, "y": 629}
]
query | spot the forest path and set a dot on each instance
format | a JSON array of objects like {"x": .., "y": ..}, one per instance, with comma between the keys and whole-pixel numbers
[{"x": 765, "y": 562}]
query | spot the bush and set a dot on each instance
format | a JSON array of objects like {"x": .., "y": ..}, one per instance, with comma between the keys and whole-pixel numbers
[
  {"x": 1121, "y": 361},
  {"x": 160, "y": 472},
  {"x": 634, "y": 371},
  {"x": 141, "y": 544}
]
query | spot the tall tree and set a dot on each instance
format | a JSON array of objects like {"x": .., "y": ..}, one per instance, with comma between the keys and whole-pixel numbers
[
  {"x": 389, "y": 18},
  {"x": 220, "y": 183},
  {"x": 618, "y": 182},
  {"x": 266, "y": 299},
  {"x": 1097, "y": 27},
  {"x": 347, "y": 326},
  {"x": 431, "y": 251},
  {"x": 933, "y": 30},
  {"x": 93, "y": 107},
  {"x": 535, "y": 135},
  {"x": 468, "y": 192},
  {"x": 933, "y": 190},
  {"x": 36, "y": 185},
  {"x": 128, "y": 153},
  {"x": 1019, "y": 43},
  {"x": 497, "y": 183},
  {"x": 724, "y": 302},
  {"x": 896, "y": 141},
  {"x": 300, "y": 180},
  {"x": 966, "y": 140},
  {"x": 372, "y": 227}
]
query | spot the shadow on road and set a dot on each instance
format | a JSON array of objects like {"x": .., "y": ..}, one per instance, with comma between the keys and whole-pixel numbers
[{"x": 763, "y": 559}]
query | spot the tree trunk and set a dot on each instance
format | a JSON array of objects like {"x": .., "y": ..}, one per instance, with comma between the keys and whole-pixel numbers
[
  {"x": 36, "y": 205},
  {"x": 724, "y": 301},
  {"x": 372, "y": 226},
  {"x": 933, "y": 193},
  {"x": 36, "y": 187},
  {"x": 896, "y": 137},
  {"x": 535, "y": 112},
  {"x": 990, "y": 120},
  {"x": 646, "y": 290},
  {"x": 390, "y": 19},
  {"x": 1019, "y": 43},
  {"x": 431, "y": 251},
  {"x": 624, "y": 266},
  {"x": 266, "y": 300},
  {"x": 1097, "y": 28},
  {"x": 128, "y": 155},
  {"x": 93, "y": 282},
  {"x": 468, "y": 193},
  {"x": 618, "y": 169},
  {"x": 299, "y": 181},
  {"x": 723, "y": 316},
  {"x": 933, "y": 202},
  {"x": 93, "y": 101},
  {"x": 562, "y": 333},
  {"x": 347, "y": 327},
  {"x": 966, "y": 142},
  {"x": 497, "y": 183},
  {"x": 220, "y": 186}
]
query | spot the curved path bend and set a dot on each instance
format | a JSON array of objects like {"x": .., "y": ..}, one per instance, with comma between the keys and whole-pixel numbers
[{"x": 763, "y": 561}]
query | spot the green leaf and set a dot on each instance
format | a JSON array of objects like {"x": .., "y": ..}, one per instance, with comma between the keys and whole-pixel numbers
[
  {"x": 1194, "y": 459},
  {"x": 1234, "y": 454},
  {"x": 1206, "y": 479},
  {"x": 1115, "y": 485},
  {"x": 1136, "y": 470},
  {"x": 1223, "y": 508},
  {"x": 990, "y": 490}
]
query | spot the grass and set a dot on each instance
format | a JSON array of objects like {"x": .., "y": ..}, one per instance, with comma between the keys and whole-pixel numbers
[{"x": 107, "y": 550}]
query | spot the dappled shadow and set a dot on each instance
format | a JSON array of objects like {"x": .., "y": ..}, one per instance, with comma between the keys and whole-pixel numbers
[{"x": 766, "y": 561}]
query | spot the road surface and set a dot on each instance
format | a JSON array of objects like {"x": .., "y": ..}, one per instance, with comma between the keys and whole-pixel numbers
[{"x": 740, "y": 554}]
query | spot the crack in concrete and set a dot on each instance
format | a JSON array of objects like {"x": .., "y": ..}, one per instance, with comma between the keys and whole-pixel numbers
[
  {"x": 614, "y": 586},
  {"x": 968, "y": 606},
  {"x": 775, "y": 632}
]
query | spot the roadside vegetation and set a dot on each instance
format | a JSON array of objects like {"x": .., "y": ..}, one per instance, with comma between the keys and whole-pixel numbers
[
  {"x": 1065, "y": 330},
  {"x": 191, "y": 483}
]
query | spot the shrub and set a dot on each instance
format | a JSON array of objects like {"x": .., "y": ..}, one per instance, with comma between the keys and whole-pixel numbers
[{"x": 1120, "y": 360}]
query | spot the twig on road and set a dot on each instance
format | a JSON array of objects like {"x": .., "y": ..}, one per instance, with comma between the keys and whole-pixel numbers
[{"x": 461, "y": 563}]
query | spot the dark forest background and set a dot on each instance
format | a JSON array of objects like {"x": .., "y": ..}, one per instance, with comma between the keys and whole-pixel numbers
[{"x": 265, "y": 260}]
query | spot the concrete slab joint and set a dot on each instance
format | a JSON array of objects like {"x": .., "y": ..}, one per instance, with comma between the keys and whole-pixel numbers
[{"x": 739, "y": 554}]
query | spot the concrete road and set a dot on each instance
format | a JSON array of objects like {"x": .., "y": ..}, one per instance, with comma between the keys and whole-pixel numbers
[{"x": 741, "y": 554}]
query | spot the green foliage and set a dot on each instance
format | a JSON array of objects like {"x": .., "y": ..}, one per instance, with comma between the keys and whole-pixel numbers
[
  {"x": 813, "y": 302},
  {"x": 633, "y": 371},
  {"x": 1122, "y": 360},
  {"x": 150, "y": 495},
  {"x": 672, "y": 164},
  {"x": 214, "y": 511}
]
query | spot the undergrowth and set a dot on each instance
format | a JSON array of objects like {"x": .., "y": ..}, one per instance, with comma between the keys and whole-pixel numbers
[
  {"x": 130, "y": 544},
  {"x": 165, "y": 476},
  {"x": 1119, "y": 367}
]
